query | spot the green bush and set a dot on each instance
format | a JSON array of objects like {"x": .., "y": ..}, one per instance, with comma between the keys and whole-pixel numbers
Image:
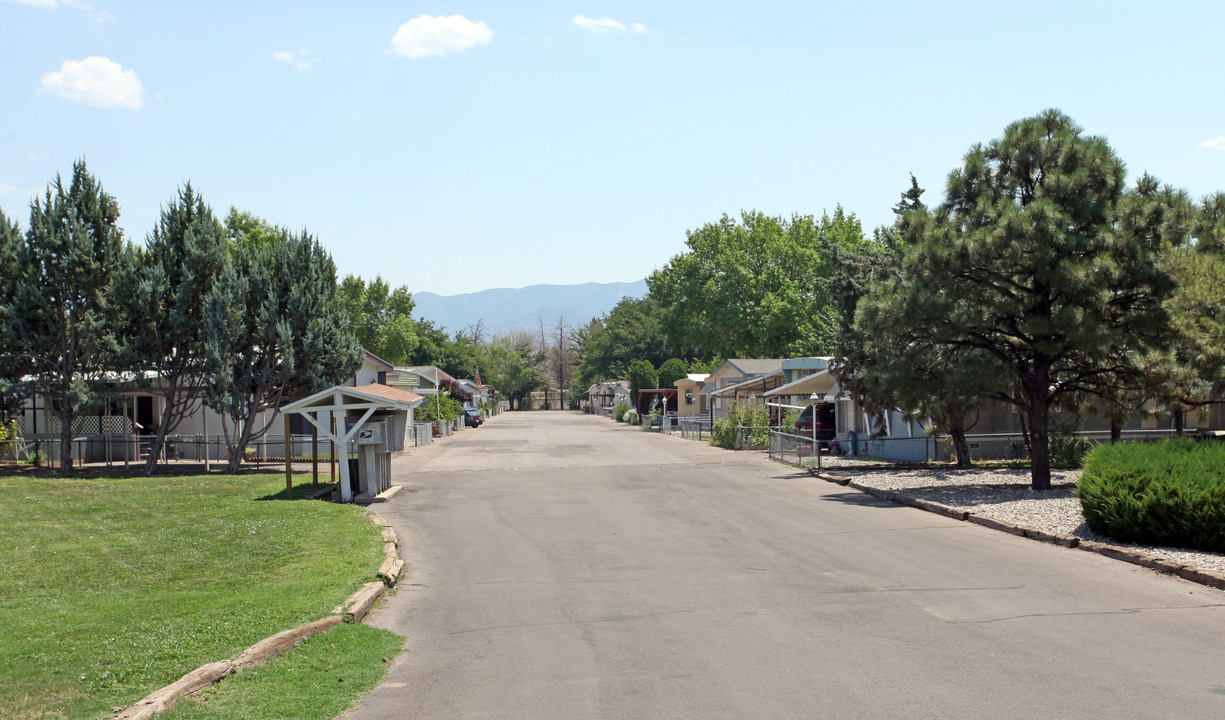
[
  {"x": 1170, "y": 493},
  {"x": 741, "y": 415},
  {"x": 620, "y": 411},
  {"x": 1068, "y": 451},
  {"x": 440, "y": 407},
  {"x": 631, "y": 417}
]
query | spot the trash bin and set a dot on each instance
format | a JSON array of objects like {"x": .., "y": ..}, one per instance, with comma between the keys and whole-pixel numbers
[{"x": 355, "y": 483}]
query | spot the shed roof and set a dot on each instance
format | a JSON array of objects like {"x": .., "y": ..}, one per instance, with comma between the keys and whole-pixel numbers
[
  {"x": 821, "y": 382},
  {"x": 382, "y": 396}
]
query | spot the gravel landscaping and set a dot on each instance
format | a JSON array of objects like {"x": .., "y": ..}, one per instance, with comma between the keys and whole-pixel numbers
[{"x": 1004, "y": 494}]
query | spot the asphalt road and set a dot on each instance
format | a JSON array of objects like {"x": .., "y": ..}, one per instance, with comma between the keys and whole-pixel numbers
[{"x": 563, "y": 566}]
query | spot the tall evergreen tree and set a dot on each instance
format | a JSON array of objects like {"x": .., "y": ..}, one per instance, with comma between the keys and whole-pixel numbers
[
  {"x": 184, "y": 256},
  {"x": 14, "y": 366},
  {"x": 62, "y": 317},
  {"x": 1192, "y": 371},
  {"x": 940, "y": 383},
  {"x": 275, "y": 331},
  {"x": 1023, "y": 263}
]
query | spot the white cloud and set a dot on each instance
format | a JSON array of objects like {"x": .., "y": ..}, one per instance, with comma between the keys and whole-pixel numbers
[
  {"x": 96, "y": 81},
  {"x": 1215, "y": 143},
  {"x": 605, "y": 25},
  {"x": 298, "y": 59},
  {"x": 95, "y": 16},
  {"x": 598, "y": 25},
  {"x": 429, "y": 35}
]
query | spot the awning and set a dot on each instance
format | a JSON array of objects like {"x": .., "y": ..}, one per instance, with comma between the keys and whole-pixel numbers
[
  {"x": 822, "y": 383},
  {"x": 756, "y": 385}
]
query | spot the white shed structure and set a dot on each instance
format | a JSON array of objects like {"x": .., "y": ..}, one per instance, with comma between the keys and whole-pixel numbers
[{"x": 350, "y": 410}]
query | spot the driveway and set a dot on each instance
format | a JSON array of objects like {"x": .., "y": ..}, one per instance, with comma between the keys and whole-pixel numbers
[{"x": 563, "y": 566}]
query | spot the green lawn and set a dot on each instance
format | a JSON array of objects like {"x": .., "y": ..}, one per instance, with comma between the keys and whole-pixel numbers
[
  {"x": 111, "y": 588},
  {"x": 322, "y": 678}
]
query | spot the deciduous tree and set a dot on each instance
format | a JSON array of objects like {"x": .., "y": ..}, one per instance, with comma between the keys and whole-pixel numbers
[
  {"x": 671, "y": 371},
  {"x": 753, "y": 287},
  {"x": 381, "y": 318},
  {"x": 642, "y": 376}
]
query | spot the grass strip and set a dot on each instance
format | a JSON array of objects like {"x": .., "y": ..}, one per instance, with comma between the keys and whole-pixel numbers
[
  {"x": 112, "y": 588},
  {"x": 318, "y": 680}
]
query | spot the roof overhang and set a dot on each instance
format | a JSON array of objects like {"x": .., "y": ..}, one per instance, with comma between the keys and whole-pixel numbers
[
  {"x": 821, "y": 383},
  {"x": 756, "y": 384},
  {"x": 342, "y": 398}
]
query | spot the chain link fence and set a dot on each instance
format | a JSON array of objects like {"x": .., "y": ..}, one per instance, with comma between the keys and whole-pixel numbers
[
  {"x": 793, "y": 449},
  {"x": 694, "y": 428}
]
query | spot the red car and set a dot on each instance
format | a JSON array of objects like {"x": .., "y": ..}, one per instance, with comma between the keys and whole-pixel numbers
[{"x": 826, "y": 428}]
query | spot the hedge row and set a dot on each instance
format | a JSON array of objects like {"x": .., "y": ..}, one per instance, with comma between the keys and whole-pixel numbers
[{"x": 1170, "y": 493}]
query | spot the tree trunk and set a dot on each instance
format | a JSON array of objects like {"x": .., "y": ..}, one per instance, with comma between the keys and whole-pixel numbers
[
  {"x": 160, "y": 438},
  {"x": 1180, "y": 422},
  {"x": 239, "y": 448},
  {"x": 65, "y": 417},
  {"x": 961, "y": 446},
  {"x": 1039, "y": 434},
  {"x": 1116, "y": 430}
]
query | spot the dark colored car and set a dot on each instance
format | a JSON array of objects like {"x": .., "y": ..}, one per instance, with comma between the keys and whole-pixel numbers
[
  {"x": 825, "y": 417},
  {"x": 472, "y": 418}
]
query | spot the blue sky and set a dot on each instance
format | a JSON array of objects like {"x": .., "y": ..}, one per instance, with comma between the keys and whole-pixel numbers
[{"x": 459, "y": 146}]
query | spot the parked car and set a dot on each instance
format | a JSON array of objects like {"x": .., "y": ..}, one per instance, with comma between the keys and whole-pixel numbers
[
  {"x": 472, "y": 418},
  {"x": 825, "y": 419}
]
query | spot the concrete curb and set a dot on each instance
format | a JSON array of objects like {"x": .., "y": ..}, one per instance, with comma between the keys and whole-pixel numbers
[
  {"x": 1135, "y": 557},
  {"x": 354, "y": 609}
]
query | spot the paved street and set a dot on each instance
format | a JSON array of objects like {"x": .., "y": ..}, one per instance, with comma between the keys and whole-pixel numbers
[{"x": 564, "y": 566}]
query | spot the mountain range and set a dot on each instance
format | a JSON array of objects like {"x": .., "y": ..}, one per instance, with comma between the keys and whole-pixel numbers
[{"x": 504, "y": 310}]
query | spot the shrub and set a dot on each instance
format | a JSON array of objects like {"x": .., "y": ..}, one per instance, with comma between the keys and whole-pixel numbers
[
  {"x": 723, "y": 434},
  {"x": 1069, "y": 451},
  {"x": 631, "y": 417},
  {"x": 620, "y": 411},
  {"x": 441, "y": 407},
  {"x": 741, "y": 415},
  {"x": 1170, "y": 493}
]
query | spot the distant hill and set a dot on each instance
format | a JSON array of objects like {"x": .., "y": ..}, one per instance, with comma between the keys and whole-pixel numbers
[{"x": 504, "y": 310}]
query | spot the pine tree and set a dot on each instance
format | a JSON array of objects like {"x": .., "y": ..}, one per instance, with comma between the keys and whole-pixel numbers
[
  {"x": 13, "y": 364},
  {"x": 884, "y": 358},
  {"x": 275, "y": 330},
  {"x": 62, "y": 316},
  {"x": 1023, "y": 263},
  {"x": 183, "y": 258}
]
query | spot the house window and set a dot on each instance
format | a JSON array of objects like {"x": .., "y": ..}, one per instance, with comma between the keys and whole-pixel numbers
[{"x": 382, "y": 377}]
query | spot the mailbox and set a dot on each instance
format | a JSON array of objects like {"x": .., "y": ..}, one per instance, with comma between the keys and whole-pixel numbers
[{"x": 371, "y": 434}]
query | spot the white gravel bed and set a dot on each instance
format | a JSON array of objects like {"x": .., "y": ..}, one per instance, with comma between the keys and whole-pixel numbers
[{"x": 1004, "y": 494}]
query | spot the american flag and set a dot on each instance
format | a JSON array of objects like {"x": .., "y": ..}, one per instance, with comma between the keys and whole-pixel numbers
[{"x": 478, "y": 377}]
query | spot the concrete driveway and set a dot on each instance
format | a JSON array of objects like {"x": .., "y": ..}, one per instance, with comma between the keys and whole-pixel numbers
[{"x": 564, "y": 566}]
